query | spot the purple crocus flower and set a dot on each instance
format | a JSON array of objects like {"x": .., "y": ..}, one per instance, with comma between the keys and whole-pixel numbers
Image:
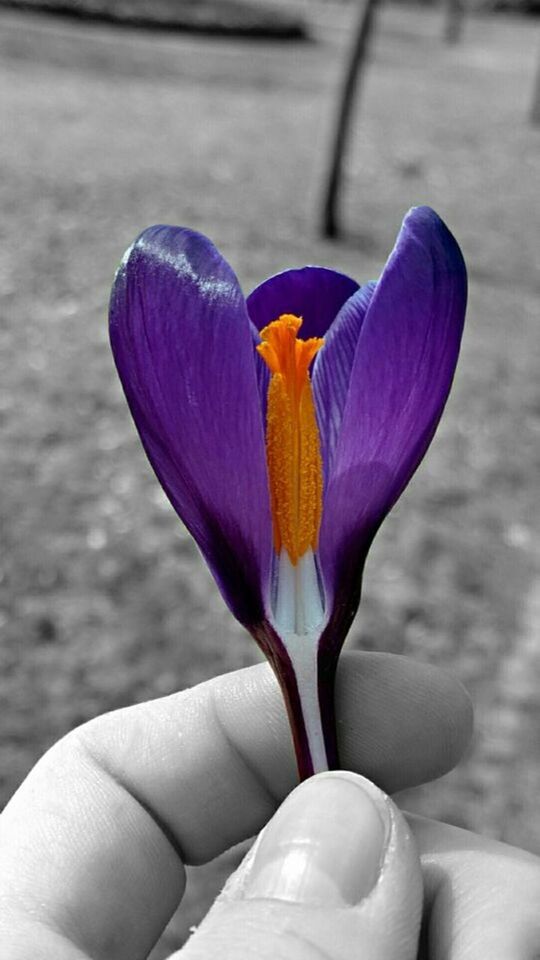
[{"x": 284, "y": 478}]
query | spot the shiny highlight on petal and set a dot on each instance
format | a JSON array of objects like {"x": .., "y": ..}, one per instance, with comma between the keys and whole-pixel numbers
[{"x": 293, "y": 447}]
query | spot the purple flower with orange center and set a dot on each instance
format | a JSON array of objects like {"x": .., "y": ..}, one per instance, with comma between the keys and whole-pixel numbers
[{"x": 284, "y": 427}]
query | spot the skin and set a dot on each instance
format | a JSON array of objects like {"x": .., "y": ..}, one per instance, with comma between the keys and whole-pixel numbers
[{"x": 92, "y": 845}]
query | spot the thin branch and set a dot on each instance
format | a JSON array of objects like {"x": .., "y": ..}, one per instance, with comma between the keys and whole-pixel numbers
[{"x": 349, "y": 93}]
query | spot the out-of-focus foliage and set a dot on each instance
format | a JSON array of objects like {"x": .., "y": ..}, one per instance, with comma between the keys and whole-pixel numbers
[{"x": 250, "y": 18}]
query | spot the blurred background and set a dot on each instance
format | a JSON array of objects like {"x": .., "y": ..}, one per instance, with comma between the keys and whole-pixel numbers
[{"x": 218, "y": 114}]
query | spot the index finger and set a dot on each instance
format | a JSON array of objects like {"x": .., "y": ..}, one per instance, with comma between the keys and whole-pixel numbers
[
  {"x": 481, "y": 896},
  {"x": 92, "y": 844}
]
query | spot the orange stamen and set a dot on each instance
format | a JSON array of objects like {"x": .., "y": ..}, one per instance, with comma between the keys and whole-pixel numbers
[{"x": 293, "y": 447}]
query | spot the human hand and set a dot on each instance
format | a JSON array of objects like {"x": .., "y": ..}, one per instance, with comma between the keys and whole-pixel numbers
[
  {"x": 337, "y": 874},
  {"x": 92, "y": 844}
]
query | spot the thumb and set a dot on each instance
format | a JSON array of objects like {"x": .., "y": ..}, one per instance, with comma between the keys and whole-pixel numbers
[{"x": 334, "y": 874}]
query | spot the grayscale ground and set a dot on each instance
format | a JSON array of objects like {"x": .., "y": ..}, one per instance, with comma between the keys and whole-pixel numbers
[{"x": 105, "y": 600}]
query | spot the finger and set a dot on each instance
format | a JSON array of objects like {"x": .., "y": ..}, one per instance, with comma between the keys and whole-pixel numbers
[
  {"x": 101, "y": 826},
  {"x": 400, "y": 723},
  {"x": 482, "y": 897},
  {"x": 334, "y": 875}
]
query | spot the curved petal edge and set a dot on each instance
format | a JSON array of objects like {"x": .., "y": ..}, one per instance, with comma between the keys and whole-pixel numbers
[
  {"x": 404, "y": 364},
  {"x": 183, "y": 345}
]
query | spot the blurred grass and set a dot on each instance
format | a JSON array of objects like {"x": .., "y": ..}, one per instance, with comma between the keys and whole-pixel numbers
[
  {"x": 105, "y": 601},
  {"x": 247, "y": 18}
]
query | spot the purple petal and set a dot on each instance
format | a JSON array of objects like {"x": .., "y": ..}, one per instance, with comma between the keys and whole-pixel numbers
[
  {"x": 332, "y": 371},
  {"x": 403, "y": 368},
  {"x": 314, "y": 293},
  {"x": 183, "y": 345},
  {"x": 262, "y": 373}
]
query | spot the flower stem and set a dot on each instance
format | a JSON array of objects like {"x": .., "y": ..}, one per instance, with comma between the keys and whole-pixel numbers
[
  {"x": 307, "y": 684},
  {"x": 304, "y": 662}
]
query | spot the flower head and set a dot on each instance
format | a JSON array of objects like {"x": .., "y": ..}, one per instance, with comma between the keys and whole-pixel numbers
[{"x": 284, "y": 427}]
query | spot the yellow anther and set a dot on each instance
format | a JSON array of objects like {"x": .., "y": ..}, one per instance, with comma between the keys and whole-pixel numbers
[{"x": 293, "y": 447}]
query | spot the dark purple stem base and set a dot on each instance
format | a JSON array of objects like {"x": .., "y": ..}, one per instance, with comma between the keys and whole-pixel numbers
[{"x": 274, "y": 650}]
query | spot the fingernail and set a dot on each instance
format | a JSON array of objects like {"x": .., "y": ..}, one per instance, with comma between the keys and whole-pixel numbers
[{"x": 325, "y": 845}]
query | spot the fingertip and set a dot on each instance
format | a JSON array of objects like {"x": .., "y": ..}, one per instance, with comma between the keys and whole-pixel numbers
[
  {"x": 400, "y": 722},
  {"x": 456, "y": 717},
  {"x": 334, "y": 873},
  {"x": 325, "y": 846}
]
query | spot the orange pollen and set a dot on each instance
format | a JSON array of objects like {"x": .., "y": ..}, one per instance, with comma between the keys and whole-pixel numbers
[{"x": 293, "y": 448}]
